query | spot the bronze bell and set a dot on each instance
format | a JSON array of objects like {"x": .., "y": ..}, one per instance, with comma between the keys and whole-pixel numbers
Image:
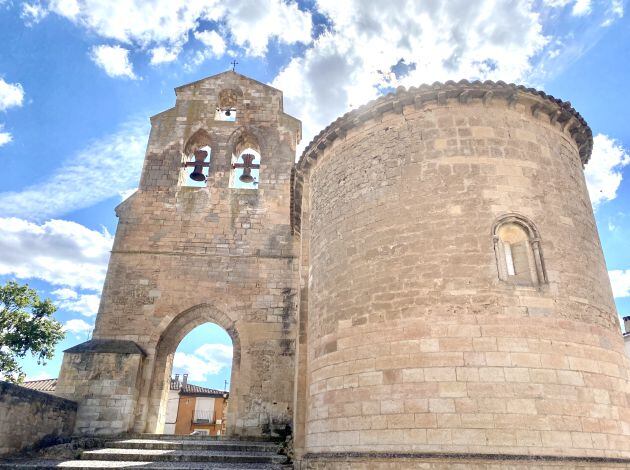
[
  {"x": 247, "y": 177},
  {"x": 197, "y": 173}
]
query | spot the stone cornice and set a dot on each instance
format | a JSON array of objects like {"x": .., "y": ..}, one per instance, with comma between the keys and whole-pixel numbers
[
  {"x": 105, "y": 345},
  {"x": 559, "y": 113}
]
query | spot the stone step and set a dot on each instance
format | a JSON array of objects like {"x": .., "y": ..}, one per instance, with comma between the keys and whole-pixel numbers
[
  {"x": 144, "y": 465},
  {"x": 187, "y": 437},
  {"x": 160, "y": 455},
  {"x": 195, "y": 444}
]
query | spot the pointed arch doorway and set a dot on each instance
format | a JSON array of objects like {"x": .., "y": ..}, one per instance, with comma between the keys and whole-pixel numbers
[
  {"x": 181, "y": 326},
  {"x": 199, "y": 387}
]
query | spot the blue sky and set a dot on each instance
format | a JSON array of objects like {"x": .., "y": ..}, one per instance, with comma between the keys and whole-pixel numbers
[{"x": 79, "y": 80}]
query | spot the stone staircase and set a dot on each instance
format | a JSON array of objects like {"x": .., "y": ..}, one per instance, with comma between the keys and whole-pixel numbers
[{"x": 170, "y": 452}]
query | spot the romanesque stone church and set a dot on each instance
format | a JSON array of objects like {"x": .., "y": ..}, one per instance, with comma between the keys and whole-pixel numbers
[{"x": 424, "y": 288}]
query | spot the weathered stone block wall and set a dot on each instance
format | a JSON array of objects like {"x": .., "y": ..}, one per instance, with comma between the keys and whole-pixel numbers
[
  {"x": 468, "y": 462},
  {"x": 184, "y": 256},
  {"x": 414, "y": 343},
  {"x": 104, "y": 383},
  {"x": 29, "y": 418},
  {"x": 302, "y": 361}
]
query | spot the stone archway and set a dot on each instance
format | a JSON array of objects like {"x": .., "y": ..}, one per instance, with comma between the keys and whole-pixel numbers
[{"x": 173, "y": 334}]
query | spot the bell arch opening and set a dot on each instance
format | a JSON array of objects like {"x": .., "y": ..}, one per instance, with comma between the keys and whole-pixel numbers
[
  {"x": 196, "y": 160},
  {"x": 174, "y": 405},
  {"x": 245, "y": 162}
]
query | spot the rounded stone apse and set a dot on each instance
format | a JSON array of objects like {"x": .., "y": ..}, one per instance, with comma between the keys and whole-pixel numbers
[{"x": 458, "y": 300}]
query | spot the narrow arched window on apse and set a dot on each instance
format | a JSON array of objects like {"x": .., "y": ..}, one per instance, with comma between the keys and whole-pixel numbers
[
  {"x": 196, "y": 160},
  {"x": 518, "y": 252},
  {"x": 245, "y": 172}
]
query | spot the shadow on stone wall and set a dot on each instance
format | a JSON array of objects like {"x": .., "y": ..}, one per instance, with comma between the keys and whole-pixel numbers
[{"x": 30, "y": 419}]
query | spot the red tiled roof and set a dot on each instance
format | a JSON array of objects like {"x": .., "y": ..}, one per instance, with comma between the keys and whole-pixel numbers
[
  {"x": 191, "y": 389},
  {"x": 47, "y": 385}
]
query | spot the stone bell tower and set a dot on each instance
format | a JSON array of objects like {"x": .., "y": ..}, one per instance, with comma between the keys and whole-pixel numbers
[{"x": 206, "y": 238}]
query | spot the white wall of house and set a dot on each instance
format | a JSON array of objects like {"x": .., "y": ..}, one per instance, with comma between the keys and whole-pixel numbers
[{"x": 171, "y": 411}]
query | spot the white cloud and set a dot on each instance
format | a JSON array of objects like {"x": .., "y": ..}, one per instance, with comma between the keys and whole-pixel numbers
[
  {"x": 581, "y": 7},
  {"x": 216, "y": 351},
  {"x": 557, "y": 3},
  {"x": 616, "y": 8},
  {"x": 614, "y": 12},
  {"x": 215, "y": 47},
  {"x": 33, "y": 13},
  {"x": 68, "y": 8},
  {"x": 60, "y": 252},
  {"x": 371, "y": 45},
  {"x": 167, "y": 23},
  {"x": 108, "y": 166},
  {"x": 603, "y": 172},
  {"x": 5, "y": 137},
  {"x": 162, "y": 55},
  {"x": 114, "y": 60},
  {"x": 620, "y": 281},
  {"x": 70, "y": 300},
  {"x": 65, "y": 294},
  {"x": 213, "y": 41},
  {"x": 196, "y": 368},
  {"x": 572, "y": 32},
  {"x": 11, "y": 95},
  {"x": 209, "y": 359},
  {"x": 161, "y": 22},
  {"x": 253, "y": 23},
  {"x": 77, "y": 326}
]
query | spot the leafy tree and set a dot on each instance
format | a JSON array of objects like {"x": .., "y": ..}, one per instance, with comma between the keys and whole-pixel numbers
[{"x": 26, "y": 325}]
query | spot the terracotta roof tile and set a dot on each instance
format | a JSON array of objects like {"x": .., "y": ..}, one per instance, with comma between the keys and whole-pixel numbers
[
  {"x": 47, "y": 385},
  {"x": 191, "y": 389}
]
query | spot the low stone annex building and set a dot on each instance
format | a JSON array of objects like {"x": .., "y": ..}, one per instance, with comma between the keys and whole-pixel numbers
[
  {"x": 426, "y": 285},
  {"x": 189, "y": 407}
]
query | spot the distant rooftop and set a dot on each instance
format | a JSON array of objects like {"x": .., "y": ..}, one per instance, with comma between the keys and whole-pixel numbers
[
  {"x": 46, "y": 385},
  {"x": 191, "y": 389}
]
